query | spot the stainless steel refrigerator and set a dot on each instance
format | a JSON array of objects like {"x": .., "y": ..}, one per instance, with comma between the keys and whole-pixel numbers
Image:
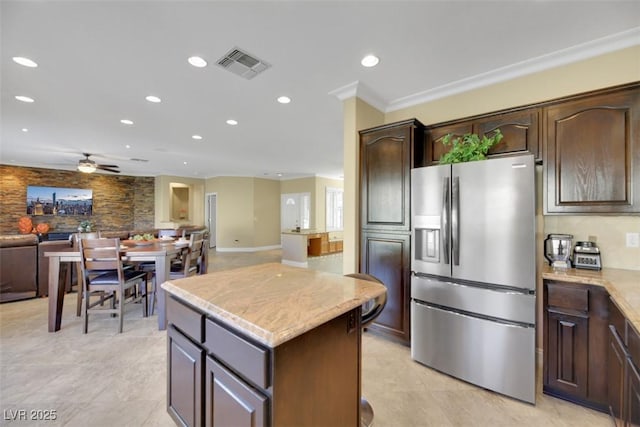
[{"x": 473, "y": 272}]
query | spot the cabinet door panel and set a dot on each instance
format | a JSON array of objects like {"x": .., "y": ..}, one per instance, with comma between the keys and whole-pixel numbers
[
  {"x": 520, "y": 130},
  {"x": 567, "y": 347},
  {"x": 592, "y": 154},
  {"x": 616, "y": 360},
  {"x": 230, "y": 401},
  {"x": 434, "y": 147},
  {"x": 633, "y": 395},
  {"x": 633, "y": 343},
  {"x": 184, "y": 379},
  {"x": 387, "y": 257},
  {"x": 385, "y": 158}
]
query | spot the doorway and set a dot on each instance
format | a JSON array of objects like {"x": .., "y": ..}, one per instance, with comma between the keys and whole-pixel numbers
[{"x": 211, "y": 218}]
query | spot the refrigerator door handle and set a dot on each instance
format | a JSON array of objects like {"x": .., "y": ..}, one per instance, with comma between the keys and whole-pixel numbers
[
  {"x": 455, "y": 220},
  {"x": 444, "y": 220}
]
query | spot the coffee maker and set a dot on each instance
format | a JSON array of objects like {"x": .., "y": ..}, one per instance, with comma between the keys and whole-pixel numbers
[{"x": 557, "y": 250}]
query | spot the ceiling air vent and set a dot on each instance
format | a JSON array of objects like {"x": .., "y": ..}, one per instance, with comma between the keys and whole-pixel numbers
[{"x": 242, "y": 64}]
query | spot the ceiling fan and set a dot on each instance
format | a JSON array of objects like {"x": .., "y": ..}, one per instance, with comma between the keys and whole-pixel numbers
[{"x": 87, "y": 165}]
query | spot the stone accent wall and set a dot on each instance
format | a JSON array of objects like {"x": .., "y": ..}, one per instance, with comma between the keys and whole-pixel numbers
[{"x": 119, "y": 202}]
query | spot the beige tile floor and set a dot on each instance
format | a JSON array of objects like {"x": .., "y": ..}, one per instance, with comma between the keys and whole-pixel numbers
[{"x": 109, "y": 379}]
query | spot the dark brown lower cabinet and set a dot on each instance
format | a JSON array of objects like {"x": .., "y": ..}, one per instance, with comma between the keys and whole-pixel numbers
[
  {"x": 616, "y": 375},
  {"x": 576, "y": 343},
  {"x": 567, "y": 344},
  {"x": 387, "y": 256},
  {"x": 633, "y": 394},
  {"x": 623, "y": 374}
]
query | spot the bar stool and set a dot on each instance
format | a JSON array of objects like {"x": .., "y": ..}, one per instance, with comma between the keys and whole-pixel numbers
[{"x": 370, "y": 310}]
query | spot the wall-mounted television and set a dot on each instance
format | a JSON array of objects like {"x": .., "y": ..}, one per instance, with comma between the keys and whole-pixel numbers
[{"x": 59, "y": 201}]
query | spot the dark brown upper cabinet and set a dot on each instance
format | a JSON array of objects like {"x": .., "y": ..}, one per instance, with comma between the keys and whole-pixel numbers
[
  {"x": 387, "y": 154},
  {"x": 434, "y": 147},
  {"x": 592, "y": 154},
  {"x": 520, "y": 128}
]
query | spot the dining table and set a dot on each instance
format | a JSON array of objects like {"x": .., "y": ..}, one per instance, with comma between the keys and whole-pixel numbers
[{"x": 158, "y": 251}]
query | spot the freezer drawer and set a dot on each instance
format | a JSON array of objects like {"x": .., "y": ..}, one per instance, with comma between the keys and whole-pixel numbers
[
  {"x": 496, "y": 356},
  {"x": 491, "y": 302}
]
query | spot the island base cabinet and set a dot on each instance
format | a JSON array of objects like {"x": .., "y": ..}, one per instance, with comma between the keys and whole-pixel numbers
[
  {"x": 317, "y": 376},
  {"x": 218, "y": 376},
  {"x": 184, "y": 382},
  {"x": 230, "y": 401}
]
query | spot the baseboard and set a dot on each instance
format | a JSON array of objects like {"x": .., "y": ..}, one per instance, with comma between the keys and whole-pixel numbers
[
  {"x": 295, "y": 263},
  {"x": 254, "y": 249}
]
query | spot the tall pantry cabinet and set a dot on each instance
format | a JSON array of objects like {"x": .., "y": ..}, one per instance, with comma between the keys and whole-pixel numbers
[{"x": 387, "y": 154}]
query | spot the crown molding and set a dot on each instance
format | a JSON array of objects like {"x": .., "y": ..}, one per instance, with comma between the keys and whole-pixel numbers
[
  {"x": 558, "y": 58},
  {"x": 361, "y": 91},
  {"x": 555, "y": 59}
]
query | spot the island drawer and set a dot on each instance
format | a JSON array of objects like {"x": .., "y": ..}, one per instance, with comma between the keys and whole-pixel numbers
[
  {"x": 186, "y": 319},
  {"x": 565, "y": 296},
  {"x": 246, "y": 358}
]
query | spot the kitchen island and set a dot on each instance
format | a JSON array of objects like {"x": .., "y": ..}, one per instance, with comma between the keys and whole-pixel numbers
[
  {"x": 298, "y": 245},
  {"x": 265, "y": 345}
]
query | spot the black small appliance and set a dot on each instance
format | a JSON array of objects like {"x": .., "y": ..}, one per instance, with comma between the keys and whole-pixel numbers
[{"x": 587, "y": 255}]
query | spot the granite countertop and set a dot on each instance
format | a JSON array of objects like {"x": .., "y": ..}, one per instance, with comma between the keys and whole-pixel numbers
[
  {"x": 273, "y": 303},
  {"x": 622, "y": 285}
]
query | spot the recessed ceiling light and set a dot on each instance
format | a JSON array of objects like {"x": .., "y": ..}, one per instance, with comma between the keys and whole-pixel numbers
[
  {"x": 284, "y": 99},
  {"x": 279, "y": 174},
  {"x": 370, "y": 61},
  {"x": 196, "y": 61},
  {"x": 24, "y": 98},
  {"x": 24, "y": 61},
  {"x": 25, "y": 130},
  {"x": 152, "y": 98},
  {"x": 127, "y": 146},
  {"x": 184, "y": 163},
  {"x": 232, "y": 122},
  {"x": 126, "y": 122},
  {"x": 196, "y": 137}
]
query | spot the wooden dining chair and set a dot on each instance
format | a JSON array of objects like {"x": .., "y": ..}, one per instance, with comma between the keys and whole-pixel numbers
[
  {"x": 75, "y": 242},
  {"x": 103, "y": 273},
  {"x": 75, "y": 239},
  {"x": 189, "y": 265},
  {"x": 191, "y": 261},
  {"x": 200, "y": 235}
]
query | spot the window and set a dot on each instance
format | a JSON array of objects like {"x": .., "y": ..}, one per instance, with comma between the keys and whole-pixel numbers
[
  {"x": 334, "y": 208},
  {"x": 295, "y": 210}
]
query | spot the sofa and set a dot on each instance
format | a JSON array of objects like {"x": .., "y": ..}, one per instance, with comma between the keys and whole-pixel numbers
[
  {"x": 18, "y": 267},
  {"x": 24, "y": 269}
]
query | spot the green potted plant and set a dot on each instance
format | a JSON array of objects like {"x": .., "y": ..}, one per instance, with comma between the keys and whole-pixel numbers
[
  {"x": 85, "y": 226},
  {"x": 469, "y": 147}
]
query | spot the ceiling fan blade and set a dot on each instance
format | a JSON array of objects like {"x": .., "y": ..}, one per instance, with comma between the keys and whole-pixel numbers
[
  {"x": 101, "y": 167},
  {"x": 109, "y": 166}
]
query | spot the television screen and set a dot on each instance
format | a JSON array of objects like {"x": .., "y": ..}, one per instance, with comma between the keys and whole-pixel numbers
[{"x": 59, "y": 201}]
